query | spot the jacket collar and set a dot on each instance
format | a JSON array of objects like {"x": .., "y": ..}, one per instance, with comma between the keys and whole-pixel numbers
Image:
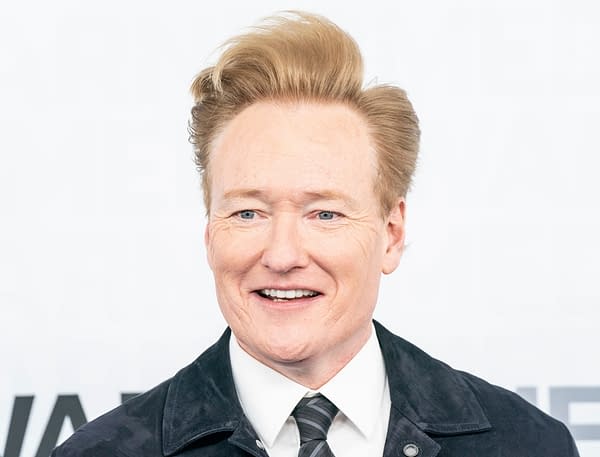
[
  {"x": 202, "y": 399},
  {"x": 433, "y": 396}
]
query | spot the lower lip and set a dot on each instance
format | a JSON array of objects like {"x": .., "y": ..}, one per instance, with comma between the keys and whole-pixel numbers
[{"x": 286, "y": 304}]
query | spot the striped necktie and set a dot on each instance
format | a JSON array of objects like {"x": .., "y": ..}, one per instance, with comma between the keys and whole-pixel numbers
[{"x": 314, "y": 416}]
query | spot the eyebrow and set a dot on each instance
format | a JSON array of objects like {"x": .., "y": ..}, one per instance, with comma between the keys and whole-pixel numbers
[{"x": 306, "y": 195}]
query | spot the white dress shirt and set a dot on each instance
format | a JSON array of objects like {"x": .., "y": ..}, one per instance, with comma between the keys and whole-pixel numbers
[{"x": 360, "y": 391}]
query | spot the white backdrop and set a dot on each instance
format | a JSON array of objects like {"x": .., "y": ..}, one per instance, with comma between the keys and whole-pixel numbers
[{"x": 104, "y": 288}]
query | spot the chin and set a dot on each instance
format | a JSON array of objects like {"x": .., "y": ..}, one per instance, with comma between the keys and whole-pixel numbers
[{"x": 287, "y": 350}]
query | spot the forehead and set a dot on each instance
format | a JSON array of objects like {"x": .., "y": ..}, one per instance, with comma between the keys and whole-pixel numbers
[{"x": 293, "y": 147}]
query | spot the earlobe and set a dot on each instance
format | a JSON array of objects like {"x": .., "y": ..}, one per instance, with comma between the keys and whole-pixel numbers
[{"x": 395, "y": 238}]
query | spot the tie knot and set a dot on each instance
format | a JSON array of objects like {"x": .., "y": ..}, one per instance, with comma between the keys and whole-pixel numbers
[{"x": 314, "y": 416}]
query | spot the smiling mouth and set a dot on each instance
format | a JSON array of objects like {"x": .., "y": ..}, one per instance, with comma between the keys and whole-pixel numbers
[{"x": 286, "y": 295}]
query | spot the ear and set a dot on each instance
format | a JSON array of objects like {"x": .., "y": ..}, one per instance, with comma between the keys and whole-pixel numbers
[
  {"x": 395, "y": 238},
  {"x": 207, "y": 243}
]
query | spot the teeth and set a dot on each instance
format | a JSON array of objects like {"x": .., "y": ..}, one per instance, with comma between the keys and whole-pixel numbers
[{"x": 288, "y": 294}]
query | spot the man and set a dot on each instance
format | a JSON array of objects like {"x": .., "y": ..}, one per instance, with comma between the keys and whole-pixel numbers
[{"x": 304, "y": 179}]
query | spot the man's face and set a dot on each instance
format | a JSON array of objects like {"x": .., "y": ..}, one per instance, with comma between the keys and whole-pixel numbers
[{"x": 295, "y": 236}]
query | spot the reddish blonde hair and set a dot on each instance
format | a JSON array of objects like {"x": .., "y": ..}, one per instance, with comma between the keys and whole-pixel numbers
[{"x": 301, "y": 57}]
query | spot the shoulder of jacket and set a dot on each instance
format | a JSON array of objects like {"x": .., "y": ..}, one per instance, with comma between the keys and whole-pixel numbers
[
  {"x": 509, "y": 412},
  {"x": 134, "y": 425}
]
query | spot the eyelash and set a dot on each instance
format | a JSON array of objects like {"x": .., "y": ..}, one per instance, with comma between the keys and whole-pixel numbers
[
  {"x": 333, "y": 214},
  {"x": 239, "y": 214}
]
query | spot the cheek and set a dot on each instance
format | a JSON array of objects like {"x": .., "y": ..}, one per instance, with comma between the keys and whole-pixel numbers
[
  {"x": 355, "y": 262},
  {"x": 230, "y": 251},
  {"x": 230, "y": 262},
  {"x": 358, "y": 247}
]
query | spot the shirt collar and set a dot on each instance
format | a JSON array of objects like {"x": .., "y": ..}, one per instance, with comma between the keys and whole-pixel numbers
[
  {"x": 268, "y": 397},
  {"x": 358, "y": 389}
]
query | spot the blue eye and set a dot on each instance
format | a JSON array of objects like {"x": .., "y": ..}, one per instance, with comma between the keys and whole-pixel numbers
[
  {"x": 246, "y": 214},
  {"x": 326, "y": 215}
]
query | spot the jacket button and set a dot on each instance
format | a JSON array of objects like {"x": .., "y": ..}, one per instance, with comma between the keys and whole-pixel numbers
[
  {"x": 410, "y": 450},
  {"x": 262, "y": 446}
]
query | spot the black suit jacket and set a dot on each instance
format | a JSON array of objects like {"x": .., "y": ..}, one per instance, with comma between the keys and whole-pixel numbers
[{"x": 441, "y": 411}]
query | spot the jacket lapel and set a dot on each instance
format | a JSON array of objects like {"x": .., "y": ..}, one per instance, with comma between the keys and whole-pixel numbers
[
  {"x": 427, "y": 397},
  {"x": 202, "y": 401}
]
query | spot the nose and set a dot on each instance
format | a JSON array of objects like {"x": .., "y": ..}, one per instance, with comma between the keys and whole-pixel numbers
[{"x": 284, "y": 248}]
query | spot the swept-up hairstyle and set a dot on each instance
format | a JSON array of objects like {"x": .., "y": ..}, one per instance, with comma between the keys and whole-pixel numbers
[{"x": 302, "y": 57}]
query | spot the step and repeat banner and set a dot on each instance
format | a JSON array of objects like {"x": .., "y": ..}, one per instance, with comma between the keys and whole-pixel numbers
[{"x": 104, "y": 288}]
